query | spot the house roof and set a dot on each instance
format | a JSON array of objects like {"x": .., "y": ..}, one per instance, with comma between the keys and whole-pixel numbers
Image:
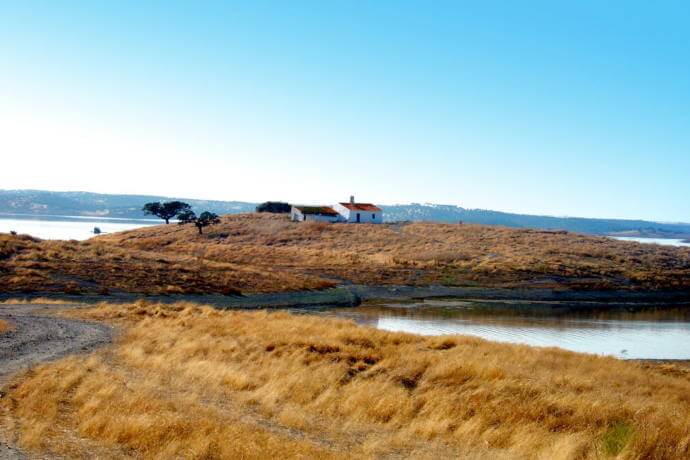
[
  {"x": 323, "y": 210},
  {"x": 361, "y": 207}
]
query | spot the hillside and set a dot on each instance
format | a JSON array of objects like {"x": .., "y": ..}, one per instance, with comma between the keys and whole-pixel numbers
[
  {"x": 268, "y": 253},
  {"x": 44, "y": 203}
]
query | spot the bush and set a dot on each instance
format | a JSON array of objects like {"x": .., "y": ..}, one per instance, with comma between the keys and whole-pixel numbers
[{"x": 277, "y": 207}]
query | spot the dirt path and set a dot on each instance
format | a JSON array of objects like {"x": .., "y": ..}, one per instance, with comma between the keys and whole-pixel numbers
[{"x": 38, "y": 337}]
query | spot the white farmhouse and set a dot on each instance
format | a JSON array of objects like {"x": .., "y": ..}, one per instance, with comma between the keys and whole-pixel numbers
[
  {"x": 314, "y": 213},
  {"x": 365, "y": 213}
]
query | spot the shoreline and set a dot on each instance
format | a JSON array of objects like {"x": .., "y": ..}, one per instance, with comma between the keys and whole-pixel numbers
[{"x": 543, "y": 300}]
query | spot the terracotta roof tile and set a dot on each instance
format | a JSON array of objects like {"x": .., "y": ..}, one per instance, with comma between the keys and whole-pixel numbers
[{"x": 361, "y": 207}]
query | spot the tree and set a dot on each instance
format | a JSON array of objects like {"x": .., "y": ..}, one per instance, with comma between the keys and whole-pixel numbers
[
  {"x": 186, "y": 217},
  {"x": 274, "y": 206},
  {"x": 167, "y": 210},
  {"x": 203, "y": 220}
]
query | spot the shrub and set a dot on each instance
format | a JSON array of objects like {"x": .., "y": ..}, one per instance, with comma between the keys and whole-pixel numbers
[{"x": 277, "y": 207}]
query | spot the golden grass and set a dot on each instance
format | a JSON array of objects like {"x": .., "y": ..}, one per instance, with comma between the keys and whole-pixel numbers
[
  {"x": 74, "y": 267},
  {"x": 193, "y": 382},
  {"x": 264, "y": 253},
  {"x": 423, "y": 253},
  {"x": 5, "y": 326},
  {"x": 34, "y": 300}
]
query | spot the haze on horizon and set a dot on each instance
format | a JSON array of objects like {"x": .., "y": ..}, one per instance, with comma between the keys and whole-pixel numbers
[{"x": 580, "y": 109}]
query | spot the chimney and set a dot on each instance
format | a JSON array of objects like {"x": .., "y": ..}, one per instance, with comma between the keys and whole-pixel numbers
[{"x": 352, "y": 199}]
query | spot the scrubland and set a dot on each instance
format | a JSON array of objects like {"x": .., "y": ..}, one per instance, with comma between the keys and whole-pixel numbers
[
  {"x": 268, "y": 253},
  {"x": 184, "y": 381}
]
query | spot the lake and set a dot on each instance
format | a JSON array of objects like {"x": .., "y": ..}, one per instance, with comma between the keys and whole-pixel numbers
[
  {"x": 69, "y": 227},
  {"x": 661, "y": 241},
  {"x": 659, "y": 334}
]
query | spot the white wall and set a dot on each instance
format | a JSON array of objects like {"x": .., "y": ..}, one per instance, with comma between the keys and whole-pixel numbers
[
  {"x": 365, "y": 217},
  {"x": 297, "y": 216},
  {"x": 343, "y": 211},
  {"x": 321, "y": 218}
]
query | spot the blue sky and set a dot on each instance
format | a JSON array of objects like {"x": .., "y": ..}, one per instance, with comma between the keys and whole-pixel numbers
[{"x": 563, "y": 108}]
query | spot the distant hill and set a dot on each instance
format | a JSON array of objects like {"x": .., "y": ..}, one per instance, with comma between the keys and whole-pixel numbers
[
  {"x": 450, "y": 213},
  {"x": 44, "y": 203}
]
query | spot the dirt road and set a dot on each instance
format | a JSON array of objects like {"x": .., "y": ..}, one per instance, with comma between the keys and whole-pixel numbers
[{"x": 38, "y": 337}]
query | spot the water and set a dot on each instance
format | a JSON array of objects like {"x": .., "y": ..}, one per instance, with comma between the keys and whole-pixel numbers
[
  {"x": 642, "y": 335},
  {"x": 69, "y": 227},
  {"x": 661, "y": 241}
]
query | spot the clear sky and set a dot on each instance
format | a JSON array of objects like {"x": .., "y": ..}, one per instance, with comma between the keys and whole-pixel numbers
[{"x": 564, "y": 108}]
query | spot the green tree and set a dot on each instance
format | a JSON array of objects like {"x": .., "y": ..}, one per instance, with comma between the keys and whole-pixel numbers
[
  {"x": 167, "y": 210},
  {"x": 203, "y": 220}
]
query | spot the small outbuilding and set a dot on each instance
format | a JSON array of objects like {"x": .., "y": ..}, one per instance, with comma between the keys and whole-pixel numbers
[
  {"x": 365, "y": 213},
  {"x": 313, "y": 213}
]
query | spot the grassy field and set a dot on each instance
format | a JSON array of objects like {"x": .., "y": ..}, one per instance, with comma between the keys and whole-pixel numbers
[
  {"x": 267, "y": 253},
  {"x": 72, "y": 267},
  {"x": 193, "y": 382}
]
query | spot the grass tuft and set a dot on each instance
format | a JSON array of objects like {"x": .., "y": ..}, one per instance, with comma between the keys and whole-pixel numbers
[{"x": 616, "y": 438}]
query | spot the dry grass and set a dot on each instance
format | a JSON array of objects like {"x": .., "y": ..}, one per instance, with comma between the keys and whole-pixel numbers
[
  {"x": 34, "y": 301},
  {"x": 261, "y": 253},
  {"x": 74, "y": 267},
  {"x": 423, "y": 253},
  {"x": 184, "y": 381},
  {"x": 5, "y": 326}
]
